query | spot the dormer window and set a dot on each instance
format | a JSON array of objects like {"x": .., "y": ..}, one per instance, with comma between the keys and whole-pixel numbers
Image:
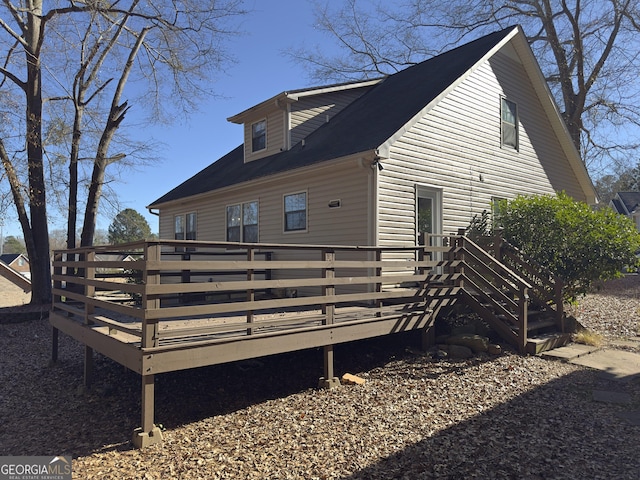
[{"x": 259, "y": 136}]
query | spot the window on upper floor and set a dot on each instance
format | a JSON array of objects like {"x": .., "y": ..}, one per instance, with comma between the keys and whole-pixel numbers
[
  {"x": 509, "y": 123},
  {"x": 242, "y": 222},
  {"x": 295, "y": 212},
  {"x": 259, "y": 136}
]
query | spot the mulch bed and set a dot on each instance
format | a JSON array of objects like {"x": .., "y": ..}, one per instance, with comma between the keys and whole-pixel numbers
[{"x": 502, "y": 417}]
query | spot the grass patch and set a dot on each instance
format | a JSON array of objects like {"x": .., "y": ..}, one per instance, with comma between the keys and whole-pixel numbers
[{"x": 587, "y": 337}]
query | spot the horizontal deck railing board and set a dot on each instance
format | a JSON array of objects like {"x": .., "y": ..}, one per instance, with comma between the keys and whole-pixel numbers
[
  {"x": 243, "y": 265},
  {"x": 69, "y": 308},
  {"x": 399, "y": 317},
  {"x": 110, "y": 264},
  {"x": 92, "y": 301},
  {"x": 101, "y": 284},
  {"x": 304, "y": 318},
  {"x": 197, "y": 310},
  {"x": 119, "y": 326},
  {"x": 243, "y": 285}
]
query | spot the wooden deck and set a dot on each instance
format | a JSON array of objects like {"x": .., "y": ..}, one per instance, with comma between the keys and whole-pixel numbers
[
  {"x": 177, "y": 305},
  {"x": 180, "y": 305}
]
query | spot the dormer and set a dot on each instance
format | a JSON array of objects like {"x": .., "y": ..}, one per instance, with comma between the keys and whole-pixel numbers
[{"x": 286, "y": 119}]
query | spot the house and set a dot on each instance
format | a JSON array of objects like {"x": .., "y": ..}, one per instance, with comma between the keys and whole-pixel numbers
[
  {"x": 333, "y": 180},
  {"x": 377, "y": 162},
  {"x": 14, "y": 267},
  {"x": 17, "y": 261},
  {"x": 628, "y": 204}
]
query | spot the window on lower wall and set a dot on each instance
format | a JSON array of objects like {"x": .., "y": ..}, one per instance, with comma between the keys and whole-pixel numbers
[
  {"x": 178, "y": 229},
  {"x": 185, "y": 228},
  {"x": 295, "y": 212},
  {"x": 498, "y": 205},
  {"x": 242, "y": 222},
  {"x": 509, "y": 123}
]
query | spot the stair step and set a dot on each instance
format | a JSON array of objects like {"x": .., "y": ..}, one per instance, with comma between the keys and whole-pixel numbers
[{"x": 548, "y": 341}]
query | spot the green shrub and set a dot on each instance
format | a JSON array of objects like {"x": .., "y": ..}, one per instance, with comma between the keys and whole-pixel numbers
[{"x": 579, "y": 244}]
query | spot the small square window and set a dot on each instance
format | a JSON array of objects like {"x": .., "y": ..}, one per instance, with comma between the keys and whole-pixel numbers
[
  {"x": 295, "y": 212},
  {"x": 509, "y": 123},
  {"x": 259, "y": 136}
]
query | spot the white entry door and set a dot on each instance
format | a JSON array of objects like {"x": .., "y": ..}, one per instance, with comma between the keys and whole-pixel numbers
[
  {"x": 429, "y": 218},
  {"x": 429, "y": 210}
]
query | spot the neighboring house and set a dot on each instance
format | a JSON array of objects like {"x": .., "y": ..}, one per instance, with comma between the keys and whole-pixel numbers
[
  {"x": 14, "y": 267},
  {"x": 628, "y": 204},
  {"x": 376, "y": 162},
  {"x": 117, "y": 260},
  {"x": 17, "y": 261}
]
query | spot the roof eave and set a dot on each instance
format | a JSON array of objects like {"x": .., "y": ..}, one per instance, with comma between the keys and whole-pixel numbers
[
  {"x": 295, "y": 95},
  {"x": 363, "y": 156}
]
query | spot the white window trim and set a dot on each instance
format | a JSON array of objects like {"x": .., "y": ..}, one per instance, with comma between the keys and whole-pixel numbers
[
  {"x": 516, "y": 126},
  {"x": 306, "y": 205}
]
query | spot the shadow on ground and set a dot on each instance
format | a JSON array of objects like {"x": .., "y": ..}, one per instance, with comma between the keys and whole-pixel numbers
[{"x": 47, "y": 411}]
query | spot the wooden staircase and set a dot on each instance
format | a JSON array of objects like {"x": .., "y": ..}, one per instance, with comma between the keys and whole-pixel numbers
[{"x": 519, "y": 299}]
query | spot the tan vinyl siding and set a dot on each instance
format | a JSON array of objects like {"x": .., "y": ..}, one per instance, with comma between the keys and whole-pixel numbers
[
  {"x": 347, "y": 225},
  {"x": 348, "y": 182},
  {"x": 276, "y": 140},
  {"x": 310, "y": 113},
  {"x": 456, "y": 147}
]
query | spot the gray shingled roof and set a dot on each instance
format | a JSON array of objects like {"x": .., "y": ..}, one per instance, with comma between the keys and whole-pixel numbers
[
  {"x": 631, "y": 201},
  {"x": 363, "y": 125}
]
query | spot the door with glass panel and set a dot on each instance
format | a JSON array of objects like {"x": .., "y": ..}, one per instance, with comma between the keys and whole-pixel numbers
[{"x": 429, "y": 216}]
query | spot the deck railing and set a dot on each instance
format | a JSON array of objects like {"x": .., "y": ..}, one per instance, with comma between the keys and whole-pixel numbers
[{"x": 163, "y": 287}]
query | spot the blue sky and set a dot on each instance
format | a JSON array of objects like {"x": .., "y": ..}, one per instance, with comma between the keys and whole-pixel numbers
[{"x": 261, "y": 70}]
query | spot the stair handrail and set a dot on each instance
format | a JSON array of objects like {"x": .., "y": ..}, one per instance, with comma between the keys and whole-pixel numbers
[
  {"x": 543, "y": 297},
  {"x": 521, "y": 282},
  {"x": 503, "y": 276}
]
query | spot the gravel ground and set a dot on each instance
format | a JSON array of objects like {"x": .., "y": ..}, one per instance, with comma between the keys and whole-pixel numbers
[{"x": 503, "y": 417}]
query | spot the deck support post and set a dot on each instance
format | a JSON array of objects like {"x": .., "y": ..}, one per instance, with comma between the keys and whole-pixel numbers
[
  {"x": 57, "y": 285},
  {"x": 329, "y": 380},
  {"x": 149, "y": 433}
]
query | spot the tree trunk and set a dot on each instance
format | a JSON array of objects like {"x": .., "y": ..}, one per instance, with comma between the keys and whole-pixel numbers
[{"x": 38, "y": 244}]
